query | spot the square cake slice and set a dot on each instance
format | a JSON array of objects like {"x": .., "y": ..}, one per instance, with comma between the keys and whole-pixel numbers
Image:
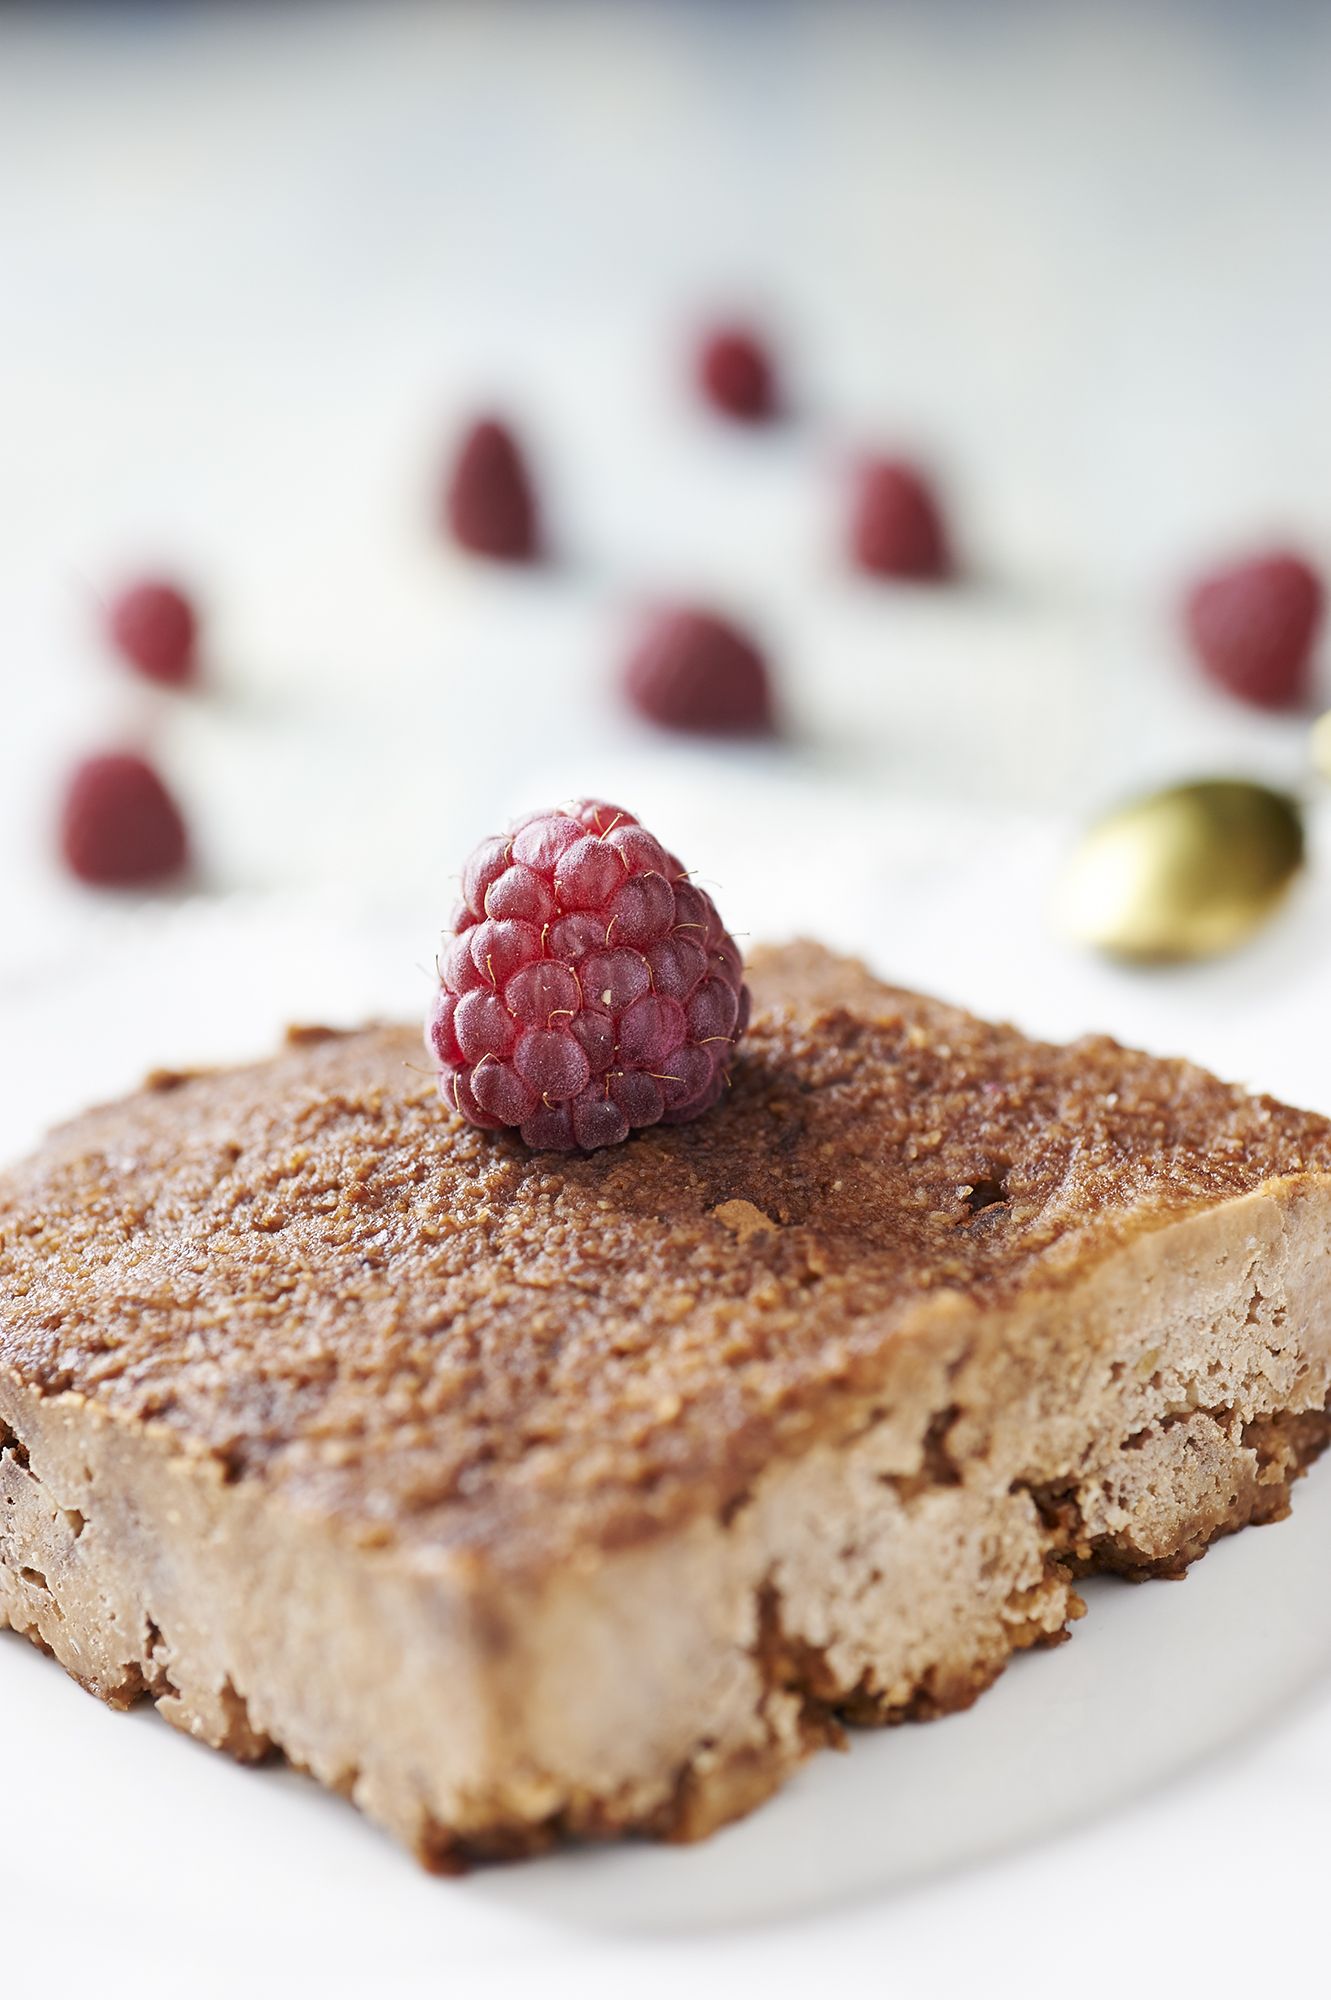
[{"x": 523, "y": 1496}]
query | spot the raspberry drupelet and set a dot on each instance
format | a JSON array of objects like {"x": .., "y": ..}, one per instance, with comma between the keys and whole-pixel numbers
[{"x": 588, "y": 987}]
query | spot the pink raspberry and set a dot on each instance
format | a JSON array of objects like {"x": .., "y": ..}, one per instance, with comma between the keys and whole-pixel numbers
[
  {"x": 736, "y": 375},
  {"x": 154, "y": 626},
  {"x": 694, "y": 671},
  {"x": 490, "y": 503},
  {"x": 587, "y": 988},
  {"x": 119, "y": 825},
  {"x": 1254, "y": 625},
  {"x": 896, "y": 527}
]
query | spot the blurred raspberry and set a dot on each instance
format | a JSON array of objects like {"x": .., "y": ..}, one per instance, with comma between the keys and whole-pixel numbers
[
  {"x": 693, "y": 671},
  {"x": 1254, "y": 625},
  {"x": 736, "y": 374},
  {"x": 896, "y": 527},
  {"x": 119, "y": 825},
  {"x": 490, "y": 503},
  {"x": 154, "y": 626},
  {"x": 588, "y": 988}
]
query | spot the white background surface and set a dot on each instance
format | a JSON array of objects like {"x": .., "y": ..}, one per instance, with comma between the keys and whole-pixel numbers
[{"x": 253, "y": 266}]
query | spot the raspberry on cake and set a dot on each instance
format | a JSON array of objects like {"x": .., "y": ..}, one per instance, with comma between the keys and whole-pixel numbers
[
  {"x": 524, "y": 1497},
  {"x": 588, "y": 988}
]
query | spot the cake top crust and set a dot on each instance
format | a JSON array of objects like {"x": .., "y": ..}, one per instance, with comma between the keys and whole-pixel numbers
[{"x": 310, "y": 1270}]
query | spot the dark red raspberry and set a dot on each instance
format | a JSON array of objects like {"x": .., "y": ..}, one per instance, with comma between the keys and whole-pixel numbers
[
  {"x": 587, "y": 988},
  {"x": 119, "y": 825},
  {"x": 1254, "y": 625},
  {"x": 490, "y": 503},
  {"x": 154, "y": 626},
  {"x": 692, "y": 670},
  {"x": 736, "y": 374},
  {"x": 896, "y": 528}
]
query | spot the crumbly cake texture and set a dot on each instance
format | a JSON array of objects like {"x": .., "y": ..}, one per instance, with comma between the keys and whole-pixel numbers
[{"x": 530, "y": 1496}]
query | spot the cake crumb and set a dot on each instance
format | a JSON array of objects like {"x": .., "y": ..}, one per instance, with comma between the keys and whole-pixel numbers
[{"x": 743, "y": 1219}]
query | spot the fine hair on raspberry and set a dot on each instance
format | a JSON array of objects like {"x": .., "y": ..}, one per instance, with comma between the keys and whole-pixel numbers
[{"x": 588, "y": 988}]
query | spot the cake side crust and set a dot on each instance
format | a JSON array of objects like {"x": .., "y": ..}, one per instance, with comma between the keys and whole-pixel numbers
[{"x": 1172, "y": 1396}]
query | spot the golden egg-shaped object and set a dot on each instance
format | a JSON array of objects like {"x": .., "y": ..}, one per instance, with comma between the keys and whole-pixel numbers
[{"x": 1183, "y": 873}]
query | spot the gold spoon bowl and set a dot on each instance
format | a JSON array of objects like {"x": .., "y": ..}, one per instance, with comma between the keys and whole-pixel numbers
[{"x": 1184, "y": 873}]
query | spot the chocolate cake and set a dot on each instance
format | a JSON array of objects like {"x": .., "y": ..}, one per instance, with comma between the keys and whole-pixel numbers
[{"x": 522, "y": 1496}]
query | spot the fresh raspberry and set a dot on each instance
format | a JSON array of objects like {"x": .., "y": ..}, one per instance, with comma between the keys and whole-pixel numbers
[
  {"x": 119, "y": 825},
  {"x": 490, "y": 503},
  {"x": 736, "y": 375},
  {"x": 154, "y": 626},
  {"x": 587, "y": 988},
  {"x": 896, "y": 528},
  {"x": 1254, "y": 624},
  {"x": 691, "y": 670}
]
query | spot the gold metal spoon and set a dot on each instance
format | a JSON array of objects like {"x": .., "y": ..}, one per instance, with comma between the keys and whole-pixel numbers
[{"x": 1187, "y": 872}]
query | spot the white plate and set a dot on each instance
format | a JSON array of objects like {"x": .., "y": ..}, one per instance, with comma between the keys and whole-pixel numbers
[{"x": 189, "y": 1864}]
